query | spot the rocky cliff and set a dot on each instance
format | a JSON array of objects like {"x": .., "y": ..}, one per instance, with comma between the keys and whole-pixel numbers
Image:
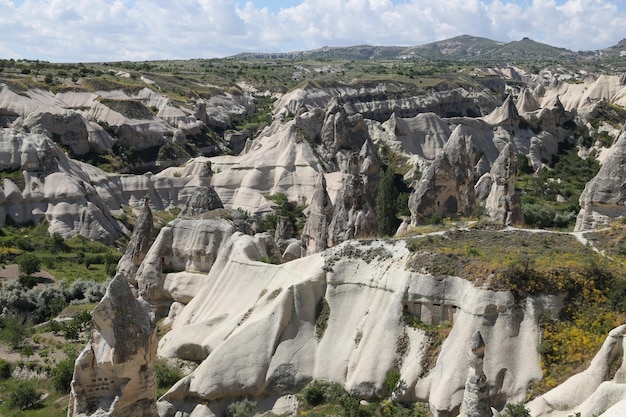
[{"x": 603, "y": 198}]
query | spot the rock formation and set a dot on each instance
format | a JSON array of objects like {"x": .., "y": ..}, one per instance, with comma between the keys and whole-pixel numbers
[
  {"x": 183, "y": 252},
  {"x": 476, "y": 401},
  {"x": 139, "y": 244},
  {"x": 604, "y": 199},
  {"x": 354, "y": 215},
  {"x": 503, "y": 204},
  {"x": 447, "y": 186},
  {"x": 70, "y": 130},
  {"x": 114, "y": 374},
  {"x": 590, "y": 392},
  {"x": 259, "y": 341},
  {"x": 202, "y": 200},
  {"x": 315, "y": 233}
]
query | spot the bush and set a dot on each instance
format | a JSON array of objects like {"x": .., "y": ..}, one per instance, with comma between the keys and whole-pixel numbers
[
  {"x": 5, "y": 369},
  {"x": 321, "y": 322},
  {"x": 166, "y": 375},
  {"x": 28, "y": 264},
  {"x": 24, "y": 396},
  {"x": 62, "y": 375},
  {"x": 13, "y": 332},
  {"x": 538, "y": 215},
  {"x": 516, "y": 410},
  {"x": 319, "y": 392},
  {"x": 243, "y": 408}
]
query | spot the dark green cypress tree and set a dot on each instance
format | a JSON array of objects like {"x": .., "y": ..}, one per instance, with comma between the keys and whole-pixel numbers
[{"x": 386, "y": 204}]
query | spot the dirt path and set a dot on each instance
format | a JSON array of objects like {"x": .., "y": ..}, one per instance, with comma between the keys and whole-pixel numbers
[{"x": 12, "y": 271}]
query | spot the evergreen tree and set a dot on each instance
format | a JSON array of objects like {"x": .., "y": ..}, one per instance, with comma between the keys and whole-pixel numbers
[{"x": 386, "y": 204}]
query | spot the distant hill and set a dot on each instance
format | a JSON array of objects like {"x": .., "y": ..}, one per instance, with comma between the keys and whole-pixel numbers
[
  {"x": 464, "y": 47},
  {"x": 528, "y": 49},
  {"x": 459, "y": 47},
  {"x": 618, "y": 50}
]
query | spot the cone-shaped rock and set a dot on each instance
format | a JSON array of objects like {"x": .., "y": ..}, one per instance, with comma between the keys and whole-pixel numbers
[
  {"x": 447, "y": 186},
  {"x": 315, "y": 231},
  {"x": 202, "y": 200},
  {"x": 140, "y": 241},
  {"x": 476, "y": 401},
  {"x": 503, "y": 203},
  {"x": 114, "y": 375}
]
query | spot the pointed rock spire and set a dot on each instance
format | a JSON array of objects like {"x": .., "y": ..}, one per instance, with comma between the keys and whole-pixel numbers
[
  {"x": 114, "y": 375},
  {"x": 476, "y": 401},
  {"x": 504, "y": 115},
  {"x": 503, "y": 202},
  {"x": 315, "y": 233},
  {"x": 202, "y": 200},
  {"x": 140, "y": 241}
]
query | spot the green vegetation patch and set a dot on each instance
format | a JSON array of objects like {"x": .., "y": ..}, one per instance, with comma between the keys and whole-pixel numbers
[
  {"x": 528, "y": 263},
  {"x": 132, "y": 109},
  {"x": 485, "y": 256}
]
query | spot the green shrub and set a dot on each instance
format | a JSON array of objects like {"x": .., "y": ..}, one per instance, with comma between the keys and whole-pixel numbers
[
  {"x": 243, "y": 408},
  {"x": 322, "y": 316},
  {"x": 62, "y": 375},
  {"x": 24, "y": 396},
  {"x": 516, "y": 410},
  {"x": 5, "y": 369},
  {"x": 28, "y": 264},
  {"x": 386, "y": 204},
  {"x": 13, "y": 332},
  {"x": 320, "y": 392},
  {"x": 166, "y": 375},
  {"x": 392, "y": 378}
]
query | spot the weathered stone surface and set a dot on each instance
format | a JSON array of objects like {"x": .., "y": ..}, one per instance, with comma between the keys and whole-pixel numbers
[
  {"x": 448, "y": 103},
  {"x": 185, "y": 244},
  {"x": 237, "y": 139},
  {"x": 447, "y": 186},
  {"x": 476, "y": 401},
  {"x": 355, "y": 204},
  {"x": 506, "y": 114},
  {"x": 315, "y": 233},
  {"x": 604, "y": 198},
  {"x": 114, "y": 374},
  {"x": 202, "y": 200},
  {"x": 69, "y": 129},
  {"x": 260, "y": 340},
  {"x": 503, "y": 203},
  {"x": 54, "y": 188},
  {"x": 139, "y": 244}
]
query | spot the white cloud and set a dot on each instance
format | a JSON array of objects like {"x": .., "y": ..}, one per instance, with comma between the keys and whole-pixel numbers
[{"x": 102, "y": 30}]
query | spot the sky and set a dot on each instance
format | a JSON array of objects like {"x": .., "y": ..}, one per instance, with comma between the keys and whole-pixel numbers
[{"x": 139, "y": 30}]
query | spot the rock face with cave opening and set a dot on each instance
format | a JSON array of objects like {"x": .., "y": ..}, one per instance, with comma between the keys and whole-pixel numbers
[{"x": 114, "y": 375}]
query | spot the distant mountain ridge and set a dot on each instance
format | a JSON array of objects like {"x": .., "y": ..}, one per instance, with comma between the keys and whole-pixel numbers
[{"x": 463, "y": 47}]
